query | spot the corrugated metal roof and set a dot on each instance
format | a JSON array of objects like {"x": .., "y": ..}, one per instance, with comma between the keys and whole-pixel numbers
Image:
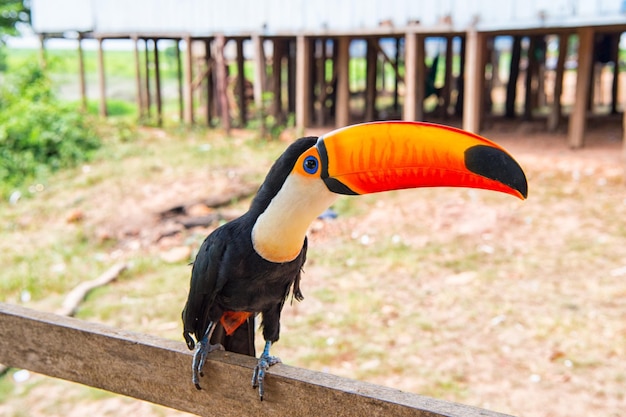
[{"x": 203, "y": 17}]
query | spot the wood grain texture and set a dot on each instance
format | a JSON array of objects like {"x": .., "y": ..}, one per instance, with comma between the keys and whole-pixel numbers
[{"x": 159, "y": 370}]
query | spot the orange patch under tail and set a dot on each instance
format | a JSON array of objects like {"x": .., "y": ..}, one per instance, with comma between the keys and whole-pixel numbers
[{"x": 231, "y": 320}]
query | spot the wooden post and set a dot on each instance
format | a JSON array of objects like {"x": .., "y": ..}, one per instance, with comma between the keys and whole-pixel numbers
[
  {"x": 458, "y": 105},
  {"x": 210, "y": 84},
  {"x": 179, "y": 79},
  {"x": 138, "y": 87},
  {"x": 447, "y": 86},
  {"x": 396, "y": 79},
  {"x": 321, "y": 82},
  {"x": 277, "y": 69},
  {"x": 530, "y": 74},
  {"x": 410, "y": 76},
  {"x": 42, "y": 50},
  {"x": 578, "y": 117},
  {"x": 414, "y": 77},
  {"x": 81, "y": 74},
  {"x": 554, "y": 118},
  {"x": 188, "y": 81},
  {"x": 222, "y": 81},
  {"x": 290, "y": 49},
  {"x": 303, "y": 79},
  {"x": 615, "y": 38},
  {"x": 342, "y": 110},
  {"x": 241, "y": 84},
  {"x": 474, "y": 81},
  {"x": 148, "y": 95},
  {"x": 157, "y": 88},
  {"x": 102, "y": 81},
  {"x": 370, "y": 84},
  {"x": 511, "y": 86},
  {"x": 259, "y": 70}
]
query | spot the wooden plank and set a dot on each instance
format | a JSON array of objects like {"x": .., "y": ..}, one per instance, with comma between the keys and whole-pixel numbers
[
  {"x": 578, "y": 117},
  {"x": 158, "y": 370},
  {"x": 342, "y": 106},
  {"x": 530, "y": 76},
  {"x": 101, "y": 80},
  {"x": 474, "y": 81},
  {"x": 210, "y": 85},
  {"x": 277, "y": 84},
  {"x": 447, "y": 85},
  {"x": 303, "y": 78},
  {"x": 554, "y": 118}
]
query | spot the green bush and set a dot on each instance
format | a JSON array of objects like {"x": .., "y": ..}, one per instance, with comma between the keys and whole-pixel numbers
[{"x": 38, "y": 133}]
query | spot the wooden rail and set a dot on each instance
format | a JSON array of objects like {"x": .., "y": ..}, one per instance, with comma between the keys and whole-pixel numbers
[{"x": 158, "y": 370}]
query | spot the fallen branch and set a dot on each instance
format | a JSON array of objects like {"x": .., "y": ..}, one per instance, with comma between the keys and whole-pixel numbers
[{"x": 78, "y": 294}]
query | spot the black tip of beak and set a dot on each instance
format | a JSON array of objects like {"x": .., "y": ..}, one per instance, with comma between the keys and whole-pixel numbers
[{"x": 497, "y": 165}]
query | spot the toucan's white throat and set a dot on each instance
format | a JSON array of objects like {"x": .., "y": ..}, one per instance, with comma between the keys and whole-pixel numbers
[{"x": 279, "y": 232}]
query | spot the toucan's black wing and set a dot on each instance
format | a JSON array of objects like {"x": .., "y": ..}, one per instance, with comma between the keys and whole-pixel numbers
[{"x": 204, "y": 286}]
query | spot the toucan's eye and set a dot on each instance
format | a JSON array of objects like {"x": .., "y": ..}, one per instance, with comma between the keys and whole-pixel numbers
[{"x": 310, "y": 164}]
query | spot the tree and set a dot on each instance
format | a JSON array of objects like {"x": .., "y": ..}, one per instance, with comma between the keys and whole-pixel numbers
[{"x": 12, "y": 13}]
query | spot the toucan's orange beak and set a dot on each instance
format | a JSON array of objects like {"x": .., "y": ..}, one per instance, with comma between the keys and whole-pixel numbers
[{"x": 382, "y": 156}]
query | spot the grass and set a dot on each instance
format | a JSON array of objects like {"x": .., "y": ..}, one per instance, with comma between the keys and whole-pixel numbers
[{"x": 448, "y": 293}]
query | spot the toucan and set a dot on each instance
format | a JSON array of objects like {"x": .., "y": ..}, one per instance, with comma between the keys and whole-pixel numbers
[{"x": 252, "y": 264}]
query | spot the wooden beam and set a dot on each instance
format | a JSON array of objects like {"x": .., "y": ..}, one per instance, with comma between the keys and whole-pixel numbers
[
  {"x": 157, "y": 81},
  {"x": 578, "y": 117},
  {"x": 188, "y": 79},
  {"x": 159, "y": 370},
  {"x": 81, "y": 74},
  {"x": 474, "y": 81},
  {"x": 101, "y": 80},
  {"x": 342, "y": 110},
  {"x": 222, "y": 81},
  {"x": 554, "y": 118},
  {"x": 303, "y": 79}
]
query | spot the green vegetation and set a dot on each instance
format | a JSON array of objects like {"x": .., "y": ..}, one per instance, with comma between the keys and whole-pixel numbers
[{"x": 38, "y": 133}]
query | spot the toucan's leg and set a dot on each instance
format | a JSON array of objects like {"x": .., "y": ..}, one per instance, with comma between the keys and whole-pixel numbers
[
  {"x": 203, "y": 348},
  {"x": 265, "y": 361}
]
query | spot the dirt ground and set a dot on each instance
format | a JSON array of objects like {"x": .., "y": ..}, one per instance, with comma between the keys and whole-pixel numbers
[{"x": 518, "y": 307}]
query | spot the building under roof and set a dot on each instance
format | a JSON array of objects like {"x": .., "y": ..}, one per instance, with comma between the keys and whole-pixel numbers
[{"x": 306, "y": 47}]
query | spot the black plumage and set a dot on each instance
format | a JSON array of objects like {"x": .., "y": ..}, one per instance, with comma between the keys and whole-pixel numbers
[{"x": 229, "y": 275}]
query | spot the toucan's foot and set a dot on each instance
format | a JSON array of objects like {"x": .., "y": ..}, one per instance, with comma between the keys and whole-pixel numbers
[
  {"x": 203, "y": 348},
  {"x": 265, "y": 361}
]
